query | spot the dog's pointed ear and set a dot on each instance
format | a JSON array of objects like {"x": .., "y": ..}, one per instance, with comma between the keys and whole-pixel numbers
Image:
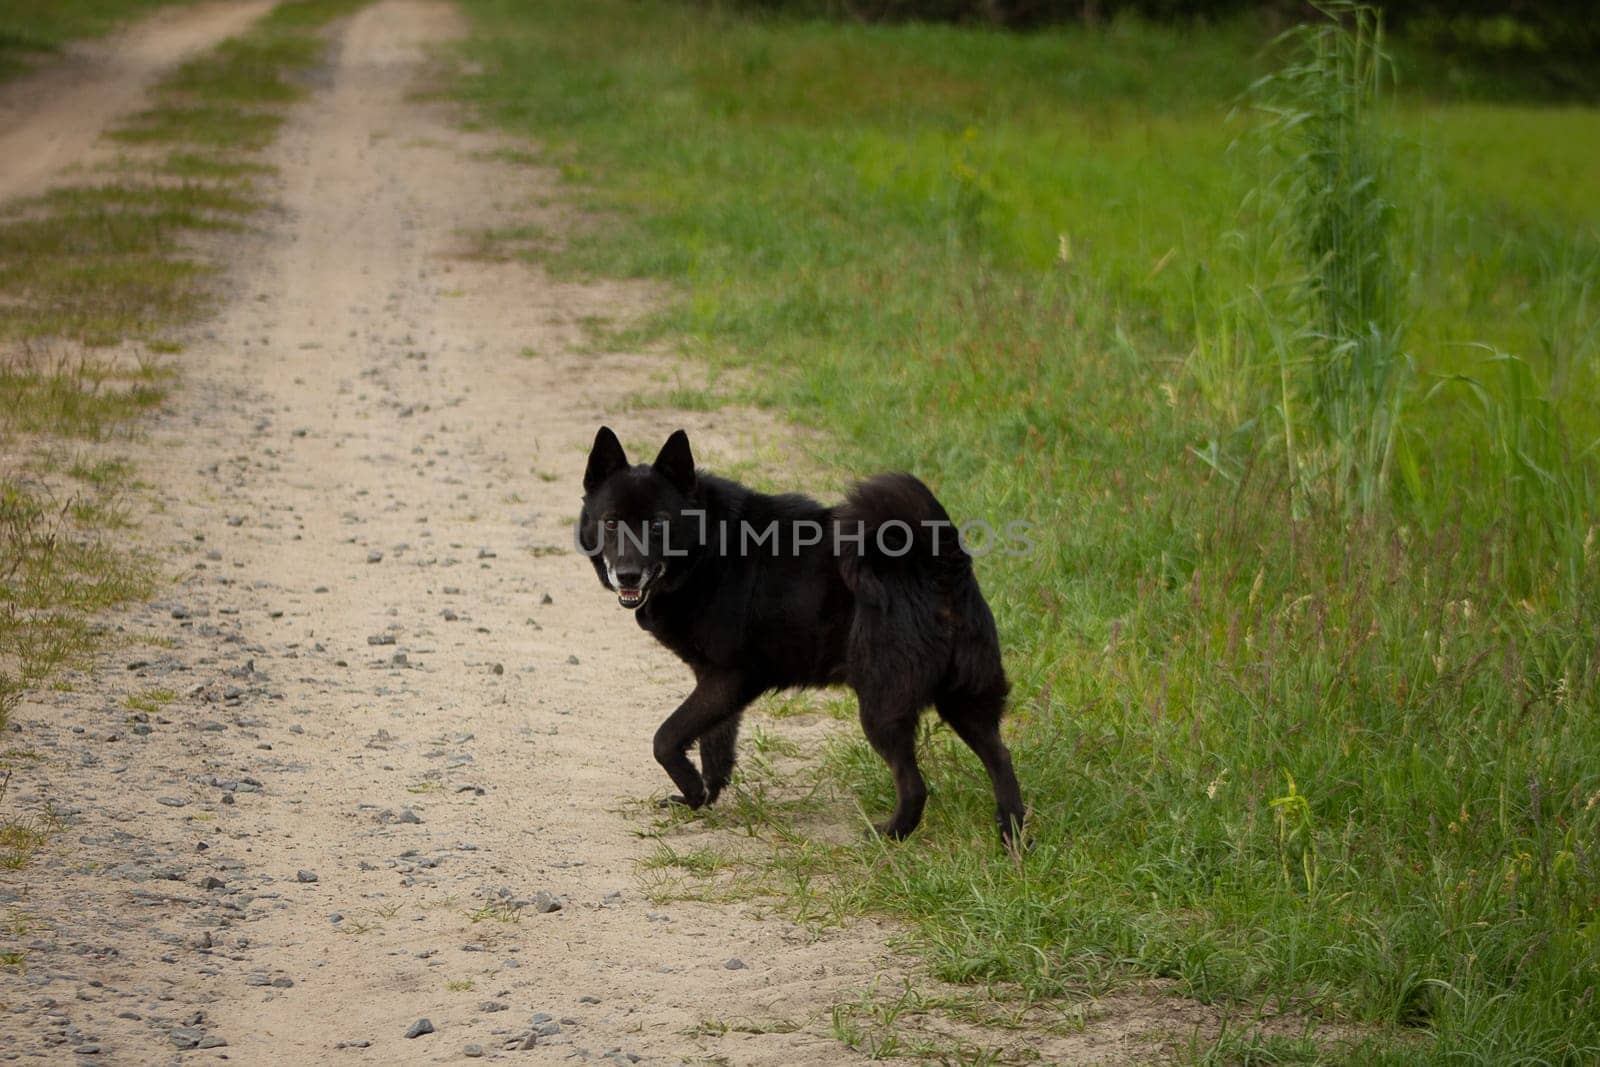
[
  {"x": 605, "y": 459},
  {"x": 676, "y": 463}
]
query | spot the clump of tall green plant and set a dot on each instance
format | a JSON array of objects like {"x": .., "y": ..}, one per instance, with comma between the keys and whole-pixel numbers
[
  {"x": 1309, "y": 355},
  {"x": 1336, "y": 190}
]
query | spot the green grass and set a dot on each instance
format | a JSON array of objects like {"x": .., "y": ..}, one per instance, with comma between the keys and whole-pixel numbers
[
  {"x": 1282, "y": 752},
  {"x": 58, "y": 568},
  {"x": 151, "y": 700},
  {"x": 23, "y": 834}
]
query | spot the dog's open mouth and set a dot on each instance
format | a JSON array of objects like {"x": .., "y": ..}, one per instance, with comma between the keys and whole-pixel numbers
[{"x": 631, "y": 598}]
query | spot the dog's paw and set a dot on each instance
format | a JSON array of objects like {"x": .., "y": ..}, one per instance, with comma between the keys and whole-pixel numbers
[
  {"x": 1017, "y": 845},
  {"x": 1012, "y": 836},
  {"x": 677, "y": 800},
  {"x": 891, "y": 831}
]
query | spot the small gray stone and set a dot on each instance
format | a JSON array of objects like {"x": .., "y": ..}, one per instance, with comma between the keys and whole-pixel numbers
[
  {"x": 212, "y": 1041},
  {"x": 305, "y": 876},
  {"x": 375, "y": 557},
  {"x": 185, "y": 1036},
  {"x": 420, "y": 1027},
  {"x": 172, "y": 802},
  {"x": 472, "y": 1052},
  {"x": 735, "y": 964}
]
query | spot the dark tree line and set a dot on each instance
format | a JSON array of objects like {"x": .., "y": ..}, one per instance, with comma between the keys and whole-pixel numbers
[{"x": 1551, "y": 27}]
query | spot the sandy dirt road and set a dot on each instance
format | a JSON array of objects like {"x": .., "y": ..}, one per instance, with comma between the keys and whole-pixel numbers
[
  {"x": 50, "y": 119},
  {"x": 383, "y": 719}
]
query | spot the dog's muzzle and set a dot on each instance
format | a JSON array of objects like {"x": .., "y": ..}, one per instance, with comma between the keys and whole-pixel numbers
[{"x": 633, "y": 597}]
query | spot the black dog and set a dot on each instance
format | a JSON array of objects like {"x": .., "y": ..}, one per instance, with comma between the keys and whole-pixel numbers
[{"x": 758, "y": 592}]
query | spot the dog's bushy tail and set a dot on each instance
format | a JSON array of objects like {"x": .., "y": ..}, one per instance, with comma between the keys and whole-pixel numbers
[
  {"x": 918, "y": 598},
  {"x": 892, "y": 526}
]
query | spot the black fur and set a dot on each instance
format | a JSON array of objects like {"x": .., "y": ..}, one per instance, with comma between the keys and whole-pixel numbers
[{"x": 904, "y": 630}]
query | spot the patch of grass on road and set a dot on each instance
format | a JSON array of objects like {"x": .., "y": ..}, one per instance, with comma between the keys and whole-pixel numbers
[
  {"x": 1281, "y": 748},
  {"x": 55, "y": 575}
]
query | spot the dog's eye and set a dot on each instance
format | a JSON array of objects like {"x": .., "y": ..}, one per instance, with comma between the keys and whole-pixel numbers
[
  {"x": 610, "y": 524},
  {"x": 661, "y": 524}
]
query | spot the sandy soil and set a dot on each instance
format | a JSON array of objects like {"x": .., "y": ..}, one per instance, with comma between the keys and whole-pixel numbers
[
  {"x": 405, "y": 720},
  {"x": 50, "y": 119}
]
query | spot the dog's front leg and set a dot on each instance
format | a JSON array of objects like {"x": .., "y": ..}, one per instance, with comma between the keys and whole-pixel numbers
[{"x": 716, "y": 698}]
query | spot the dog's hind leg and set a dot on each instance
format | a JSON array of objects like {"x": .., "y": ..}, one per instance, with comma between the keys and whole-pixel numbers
[
  {"x": 977, "y": 722},
  {"x": 718, "y": 751},
  {"x": 892, "y": 731},
  {"x": 716, "y": 699}
]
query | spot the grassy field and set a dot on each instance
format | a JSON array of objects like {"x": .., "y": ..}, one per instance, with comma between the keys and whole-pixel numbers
[{"x": 1305, "y": 658}]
